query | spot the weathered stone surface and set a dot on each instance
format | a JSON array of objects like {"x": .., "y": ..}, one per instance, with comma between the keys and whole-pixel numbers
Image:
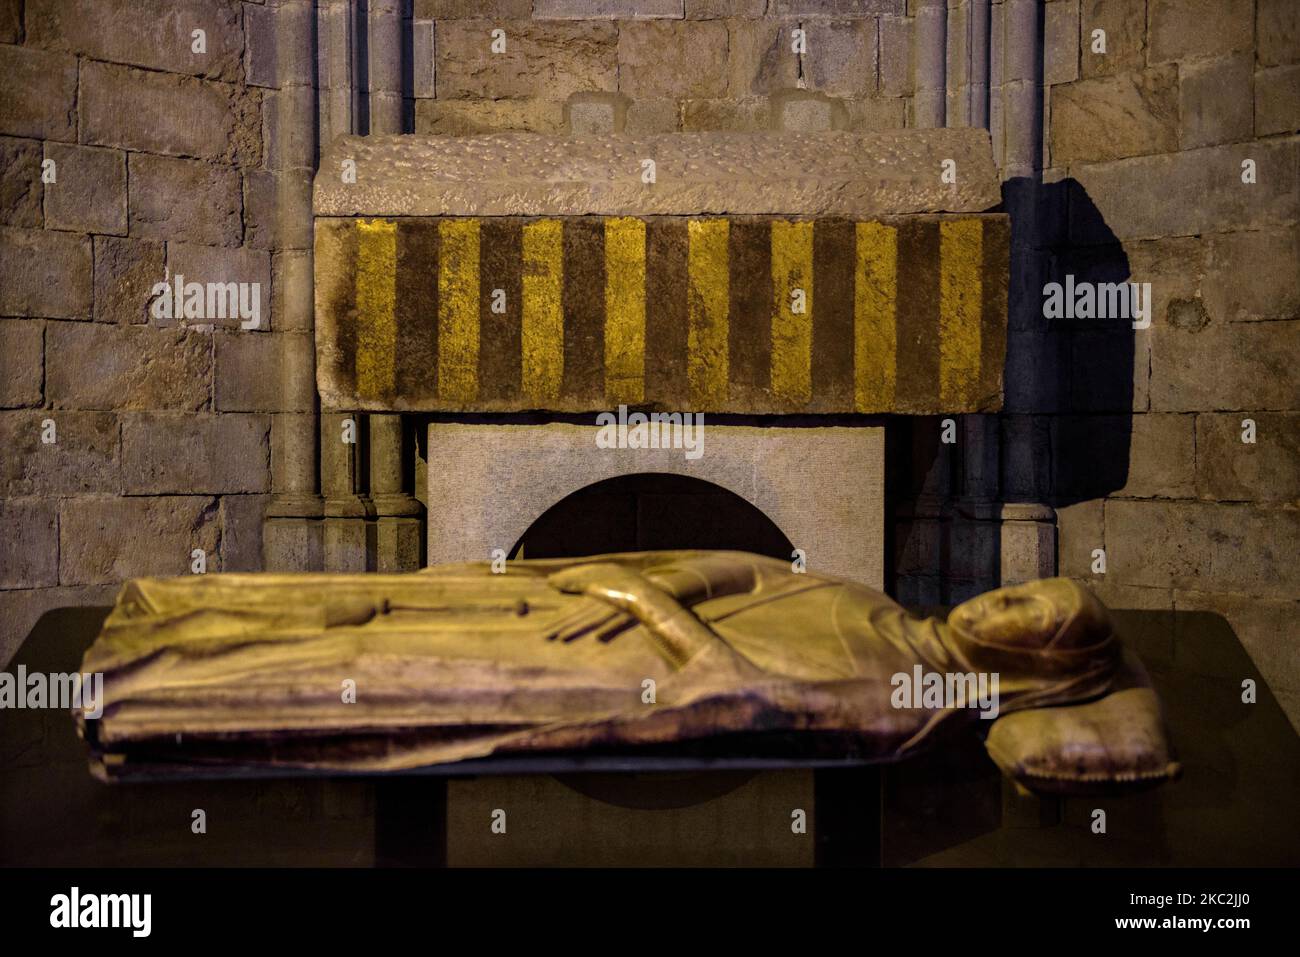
[
  {"x": 1113, "y": 117},
  {"x": 1212, "y": 98},
  {"x": 20, "y": 610},
  {"x": 224, "y": 264},
  {"x": 801, "y": 111},
  {"x": 29, "y": 543},
  {"x": 759, "y": 58},
  {"x": 291, "y": 282},
  {"x": 148, "y": 33},
  {"x": 11, "y": 23},
  {"x": 1266, "y": 629},
  {"x": 1192, "y": 192},
  {"x": 90, "y": 193},
  {"x": 750, "y": 114},
  {"x": 22, "y": 362},
  {"x": 598, "y": 113},
  {"x": 841, "y": 57},
  {"x": 896, "y": 56},
  {"x": 1271, "y": 258},
  {"x": 1061, "y": 41},
  {"x": 125, "y": 273},
  {"x": 1154, "y": 455},
  {"x": 98, "y": 366},
  {"x": 1228, "y": 469},
  {"x": 184, "y": 200},
  {"x": 468, "y": 117},
  {"x": 1181, "y": 29},
  {"x": 473, "y": 9},
  {"x": 268, "y": 59},
  {"x": 287, "y": 143},
  {"x": 246, "y": 376},
  {"x": 424, "y": 40},
  {"x": 1125, "y": 24},
  {"x": 168, "y": 114},
  {"x": 1277, "y": 101},
  {"x": 622, "y": 9},
  {"x": 841, "y": 173},
  {"x": 876, "y": 114},
  {"x": 720, "y": 9},
  {"x": 267, "y": 198},
  {"x": 1203, "y": 547},
  {"x": 1226, "y": 366},
  {"x": 653, "y": 116},
  {"x": 44, "y": 273},
  {"x": 21, "y": 189},
  {"x": 555, "y": 57},
  {"x": 1277, "y": 32},
  {"x": 83, "y": 459},
  {"x": 40, "y": 94},
  {"x": 672, "y": 58},
  {"x": 1081, "y": 528},
  {"x": 106, "y": 540},
  {"x": 834, "y": 8},
  {"x": 167, "y": 453},
  {"x": 528, "y": 468},
  {"x": 241, "y": 532}
]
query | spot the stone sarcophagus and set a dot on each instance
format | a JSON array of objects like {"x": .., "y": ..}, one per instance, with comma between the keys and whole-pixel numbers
[{"x": 736, "y": 273}]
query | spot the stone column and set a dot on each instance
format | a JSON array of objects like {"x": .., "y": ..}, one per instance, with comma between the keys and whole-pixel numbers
[
  {"x": 399, "y": 518},
  {"x": 1029, "y": 527},
  {"x": 347, "y": 537},
  {"x": 292, "y": 534},
  {"x": 929, "y": 102}
]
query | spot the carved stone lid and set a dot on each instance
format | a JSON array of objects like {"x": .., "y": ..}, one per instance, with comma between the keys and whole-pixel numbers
[{"x": 527, "y": 174}]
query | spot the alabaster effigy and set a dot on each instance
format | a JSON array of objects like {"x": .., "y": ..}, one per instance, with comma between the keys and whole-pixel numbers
[{"x": 698, "y": 653}]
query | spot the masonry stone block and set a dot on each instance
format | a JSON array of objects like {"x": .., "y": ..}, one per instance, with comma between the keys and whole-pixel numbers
[
  {"x": 40, "y": 94},
  {"x": 653, "y": 116},
  {"x": 1125, "y": 26},
  {"x": 1183, "y": 29},
  {"x": 1277, "y": 101},
  {"x": 22, "y": 362},
  {"x": 841, "y": 57},
  {"x": 896, "y": 56},
  {"x": 1061, "y": 41},
  {"x": 287, "y": 143},
  {"x": 744, "y": 115},
  {"x": 876, "y": 113},
  {"x": 168, "y": 114},
  {"x": 1226, "y": 367},
  {"x": 595, "y": 113},
  {"x": 1116, "y": 116},
  {"x": 21, "y": 190},
  {"x": 1213, "y": 100},
  {"x": 1080, "y": 529},
  {"x": 550, "y": 56},
  {"x": 834, "y": 8},
  {"x": 250, "y": 268},
  {"x": 473, "y": 9},
  {"x": 1137, "y": 456},
  {"x": 759, "y": 57},
  {"x": 1277, "y": 32},
  {"x": 1271, "y": 260},
  {"x": 673, "y": 59},
  {"x": 125, "y": 273},
  {"x": 157, "y": 34},
  {"x": 83, "y": 458},
  {"x": 246, "y": 374},
  {"x": 291, "y": 279},
  {"x": 184, "y": 200},
  {"x": 462, "y": 117},
  {"x": 1204, "y": 547},
  {"x": 721, "y": 9},
  {"x": 1191, "y": 192},
  {"x": 241, "y": 532},
  {"x": 21, "y": 609},
  {"x": 1266, "y": 629},
  {"x": 11, "y": 21},
  {"x": 424, "y": 45},
  {"x": 268, "y": 59},
  {"x": 98, "y": 366},
  {"x": 90, "y": 193},
  {"x": 800, "y": 111},
  {"x": 29, "y": 543},
  {"x": 106, "y": 540},
  {"x": 167, "y": 453},
  {"x": 1230, "y": 469},
  {"x": 620, "y": 9},
  {"x": 45, "y": 273}
]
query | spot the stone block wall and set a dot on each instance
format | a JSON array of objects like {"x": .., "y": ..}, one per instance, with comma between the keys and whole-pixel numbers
[
  {"x": 660, "y": 66},
  {"x": 1146, "y": 454},
  {"x": 129, "y": 441}
]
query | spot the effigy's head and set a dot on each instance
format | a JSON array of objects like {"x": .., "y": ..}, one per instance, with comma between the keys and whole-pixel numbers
[{"x": 1051, "y": 619}]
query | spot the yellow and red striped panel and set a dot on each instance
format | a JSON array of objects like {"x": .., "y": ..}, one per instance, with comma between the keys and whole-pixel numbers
[{"x": 714, "y": 314}]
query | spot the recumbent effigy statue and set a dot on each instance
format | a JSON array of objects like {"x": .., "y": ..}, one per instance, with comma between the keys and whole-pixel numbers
[{"x": 704, "y": 653}]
